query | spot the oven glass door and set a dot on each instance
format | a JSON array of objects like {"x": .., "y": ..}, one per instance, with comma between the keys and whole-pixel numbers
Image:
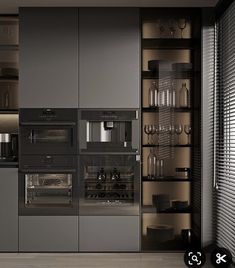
[
  {"x": 48, "y": 190},
  {"x": 109, "y": 185},
  {"x": 47, "y": 139}
]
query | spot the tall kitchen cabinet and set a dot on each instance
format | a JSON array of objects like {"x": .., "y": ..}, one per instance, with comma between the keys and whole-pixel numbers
[
  {"x": 109, "y": 58},
  {"x": 48, "y": 58},
  {"x": 9, "y": 209}
]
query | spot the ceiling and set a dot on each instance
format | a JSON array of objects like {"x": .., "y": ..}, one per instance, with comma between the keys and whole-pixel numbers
[{"x": 11, "y": 6}]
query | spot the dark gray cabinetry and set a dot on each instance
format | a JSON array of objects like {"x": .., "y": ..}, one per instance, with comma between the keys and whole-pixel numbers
[
  {"x": 109, "y": 233},
  {"x": 48, "y": 58},
  {"x": 109, "y": 58},
  {"x": 48, "y": 233},
  {"x": 9, "y": 209}
]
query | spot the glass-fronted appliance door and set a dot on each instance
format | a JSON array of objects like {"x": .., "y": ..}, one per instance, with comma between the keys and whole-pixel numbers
[
  {"x": 48, "y": 139},
  {"x": 48, "y": 193},
  {"x": 48, "y": 190},
  {"x": 109, "y": 185}
]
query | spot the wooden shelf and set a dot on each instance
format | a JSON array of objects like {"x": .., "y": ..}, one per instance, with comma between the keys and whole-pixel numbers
[
  {"x": 9, "y": 78},
  {"x": 173, "y": 109},
  {"x": 170, "y": 43},
  {"x": 9, "y": 47},
  {"x": 165, "y": 179},
  {"x": 176, "y": 145},
  {"x": 153, "y": 209},
  {"x": 9, "y": 111},
  {"x": 172, "y": 74}
]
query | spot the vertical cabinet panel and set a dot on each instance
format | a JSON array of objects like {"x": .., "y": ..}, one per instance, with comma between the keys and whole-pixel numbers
[
  {"x": 48, "y": 233},
  {"x": 48, "y": 57},
  {"x": 9, "y": 209},
  {"x": 109, "y": 233},
  {"x": 109, "y": 58}
]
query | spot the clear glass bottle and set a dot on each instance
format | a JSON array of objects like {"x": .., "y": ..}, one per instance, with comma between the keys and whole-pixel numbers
[
  {"x": 173, "y": 95},
  {"x": 152, "y": 165},
  {"x": 153, "y": 95},
  {"x": 184, "y": 96},
  {"x": 168, "y": 96},
  {"x": 161, "y": 168}
]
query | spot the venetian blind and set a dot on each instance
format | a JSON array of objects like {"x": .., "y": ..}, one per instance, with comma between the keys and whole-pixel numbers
[{"x": 225, "y": 131}]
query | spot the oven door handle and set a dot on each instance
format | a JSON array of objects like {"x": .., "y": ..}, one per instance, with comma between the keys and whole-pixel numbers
[
  {"x": 47, "y": 170},
  {"x": 48, "y": 123}
]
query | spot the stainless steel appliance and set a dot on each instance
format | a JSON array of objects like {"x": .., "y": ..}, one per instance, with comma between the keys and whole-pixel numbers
[
  {"x": 48, "y": 131},
  {"x": 8, "y": 147},
  {"x": 48, "y": 185},
  {"x": 109, "y": 185},
  {"x": 109, "y": 131}
]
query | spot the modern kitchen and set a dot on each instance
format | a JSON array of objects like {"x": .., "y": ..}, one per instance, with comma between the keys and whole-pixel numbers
[{"x": 116, "y": 133}]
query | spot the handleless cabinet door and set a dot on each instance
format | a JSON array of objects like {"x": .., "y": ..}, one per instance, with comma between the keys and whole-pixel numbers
[
  {"x": 109, "y": 233},
  {"x": 9, "y": 209},
  {"x": 48, "y": 58},
  {"x": 48, "y": 233},
  {"x": 109, "y": 58}
]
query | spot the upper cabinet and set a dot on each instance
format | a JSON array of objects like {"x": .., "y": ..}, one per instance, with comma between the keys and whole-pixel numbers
[
  {"x": 109, "y": 58},
  {"x": 48, "y": 58}
]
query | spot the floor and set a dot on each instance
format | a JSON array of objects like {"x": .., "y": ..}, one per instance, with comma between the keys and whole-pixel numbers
[{"x": 90, "y": 260}]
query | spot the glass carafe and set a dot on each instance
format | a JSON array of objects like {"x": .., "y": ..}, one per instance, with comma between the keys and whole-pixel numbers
[
  {"x": 153, "y": 95},
  {"x": 184, "y": 96},
  {"x": 152, "y": 165}
]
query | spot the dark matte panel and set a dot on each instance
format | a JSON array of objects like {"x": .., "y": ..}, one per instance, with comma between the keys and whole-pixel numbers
[
  {"x": 48, "y": 233},
  {"x": 109, "y": 58},
  {"x": 9, "y": 209},
  {"x": 109, "y": 233},
  {"x": 48, "y": 58}
]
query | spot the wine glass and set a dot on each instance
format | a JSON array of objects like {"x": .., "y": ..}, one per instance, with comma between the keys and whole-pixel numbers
[
  {"x": 170, "y": 130},
  {"x": 147, "y": 130},
  {"x": 182, "y": 23},
  {"x": 171, "y": 25},
  {"x": 153, "y": 131},
  {"x": 157, "y": 133},
  {"x": 162, "y": 130},
  {"x": 178, "y": 131},
  {"x": 188, "y": 131}
]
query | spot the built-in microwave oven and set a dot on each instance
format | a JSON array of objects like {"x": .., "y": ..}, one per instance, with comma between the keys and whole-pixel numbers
[{"x": 48, "y": 131}]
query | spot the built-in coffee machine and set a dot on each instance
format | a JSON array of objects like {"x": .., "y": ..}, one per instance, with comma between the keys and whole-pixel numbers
[
  {"x": 109, "y": 131},
  {"x": 8, "y": 147}
]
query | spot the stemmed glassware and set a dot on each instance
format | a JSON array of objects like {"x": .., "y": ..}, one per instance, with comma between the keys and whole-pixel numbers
[
  {"x": 182, "y": 23},
  {"x": 188, "y": 131},
  {"x": 170, "y": 130},
  {"x": 178, "y": 131},
  {"x": 152, "y": 132},
  {"x": 171, "y": 24},
  {"x": 147, "y": 130}
]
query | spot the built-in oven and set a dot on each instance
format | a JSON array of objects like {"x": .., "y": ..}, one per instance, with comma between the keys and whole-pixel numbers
[
  {"x": 109, "y": 131},
  {"x": 48, "y": 131},
  {"x": 109, "y": 185},
  {"x": 48, "y": 185}
]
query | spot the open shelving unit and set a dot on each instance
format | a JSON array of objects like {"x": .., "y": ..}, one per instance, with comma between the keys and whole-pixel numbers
[
  {"x": 9, "y": 84},
  {"x": 172, "y": 228}
]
